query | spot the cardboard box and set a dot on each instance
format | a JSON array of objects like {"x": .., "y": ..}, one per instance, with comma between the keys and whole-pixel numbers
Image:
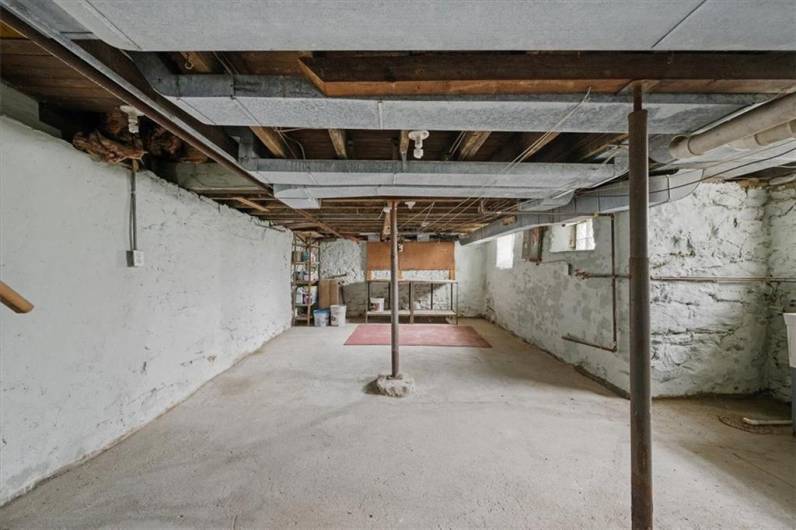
[{"x": 328, "y": 293}]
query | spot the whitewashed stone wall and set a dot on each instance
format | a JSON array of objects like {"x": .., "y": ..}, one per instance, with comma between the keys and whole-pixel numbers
[
  {"x": 706, "y": 337},
  {"x": 348, "y": 258},
  {"x": 781, "y": 220},
  {"x": 108, "y": 348}
]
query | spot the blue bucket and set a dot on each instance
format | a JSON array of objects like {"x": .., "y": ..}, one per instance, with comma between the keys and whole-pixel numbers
[{"x": 320, "y": 317}]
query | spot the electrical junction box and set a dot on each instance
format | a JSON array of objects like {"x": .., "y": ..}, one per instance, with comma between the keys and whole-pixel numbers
[{"x": 135, "y": 258}]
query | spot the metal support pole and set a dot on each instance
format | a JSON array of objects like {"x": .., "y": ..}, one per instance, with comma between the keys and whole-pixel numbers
[
  {"x": 394, "y": 287},
  {"x": 640, "y": 400}
]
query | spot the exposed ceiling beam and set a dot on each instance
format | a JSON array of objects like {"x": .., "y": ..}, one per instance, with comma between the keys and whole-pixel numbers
[
  {"x": 470, "y": 144},
  {"x": 442, "y": 175},
  {"x": 112, "y": 70},
  {"x": 549, "y": 72},
  {"x": 251, "y": 204},
  {"x": 404, "y": 145},
  {"x": 271, "y": 140},
  {"x": 523, "y": 146},
  {"x": 202, "y": 62},
  {"x": 289, "y": 192},
  {"x": 280, "y": 101},
  {"x": 578, "y": 147},
  {"x": 207, "y": 63},
  {"x": 337, "y": 136}
]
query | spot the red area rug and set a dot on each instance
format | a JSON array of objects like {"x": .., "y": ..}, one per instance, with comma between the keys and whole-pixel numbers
[{"x": 418, "y": 335}]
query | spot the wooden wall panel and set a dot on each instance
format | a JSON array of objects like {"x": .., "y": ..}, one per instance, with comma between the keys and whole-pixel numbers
[
  {"x": 416, "y": 255},
  {"x": 378, "y": 256}
]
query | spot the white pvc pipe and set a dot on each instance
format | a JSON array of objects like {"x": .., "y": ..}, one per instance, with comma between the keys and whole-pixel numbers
[
  {"x": 775, "y": 134},
  {"x": 770, "y": 120}
]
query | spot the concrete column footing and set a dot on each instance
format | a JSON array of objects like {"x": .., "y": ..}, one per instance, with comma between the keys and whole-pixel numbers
[{"x": 399, "y": 386}]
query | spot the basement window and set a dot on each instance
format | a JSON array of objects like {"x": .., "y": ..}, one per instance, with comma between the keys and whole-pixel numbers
[
  {"x": 505, "y": 252},
  {"x": 572, "y": 237}
]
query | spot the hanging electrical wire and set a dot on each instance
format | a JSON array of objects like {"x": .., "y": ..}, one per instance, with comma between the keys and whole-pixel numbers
[{"x": 543, "y": 139}]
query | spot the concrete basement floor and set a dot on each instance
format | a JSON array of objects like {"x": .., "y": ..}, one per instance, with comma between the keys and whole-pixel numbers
[{"x": 502, "y": 437}]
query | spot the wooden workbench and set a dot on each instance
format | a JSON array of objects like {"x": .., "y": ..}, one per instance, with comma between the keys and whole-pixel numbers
[{"x": 452, "y": 311}]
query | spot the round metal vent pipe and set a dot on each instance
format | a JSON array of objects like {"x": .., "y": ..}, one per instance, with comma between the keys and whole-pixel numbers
[{"x": 768, "y": 123}]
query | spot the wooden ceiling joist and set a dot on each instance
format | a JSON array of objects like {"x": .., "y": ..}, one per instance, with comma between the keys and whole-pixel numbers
[
  {"x": 404, "y": 144},
  {"x": 200, "y": 62},
  {"x": 572, "y": 147},
  {"x": 523, "y": 146},
  {"x": 549, "y": 72},
  {"x": 208, "y": 63},
  {"x": 272, "y": 141},
  {"x": 338, "y": 138},
  {"x": 470, "y": 144},
  {"x": 248, "y": 203},
  {"x": 386, "y": 223}
]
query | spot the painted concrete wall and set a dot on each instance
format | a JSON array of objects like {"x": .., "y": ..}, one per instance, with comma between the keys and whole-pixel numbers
[
  {"x": 348, "y": 258},
  {"x": 108, "y": 348},
  {"x": 706, "y": 337}
]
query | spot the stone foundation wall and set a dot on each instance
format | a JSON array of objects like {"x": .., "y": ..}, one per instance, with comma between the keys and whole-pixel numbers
[{"x": 706, "y": 337}]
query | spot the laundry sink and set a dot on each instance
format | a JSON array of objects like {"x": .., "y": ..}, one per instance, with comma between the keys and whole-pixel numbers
[{"x": 790, "y": 323}]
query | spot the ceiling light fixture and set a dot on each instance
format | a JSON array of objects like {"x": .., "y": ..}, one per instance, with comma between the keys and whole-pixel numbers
[{"x": 418, "y": 137}]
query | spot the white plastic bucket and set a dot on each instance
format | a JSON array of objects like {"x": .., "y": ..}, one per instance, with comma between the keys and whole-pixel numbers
[
  {"x": 337, "y": 315},
  {"x": 377, "y": 304}
]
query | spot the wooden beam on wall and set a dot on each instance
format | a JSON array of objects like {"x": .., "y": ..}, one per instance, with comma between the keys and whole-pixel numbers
[{"x": 338, "y": 141}]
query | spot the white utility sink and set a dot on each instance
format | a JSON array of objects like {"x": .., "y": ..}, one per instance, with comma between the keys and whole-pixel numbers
[{"x": 790, "y": 322}]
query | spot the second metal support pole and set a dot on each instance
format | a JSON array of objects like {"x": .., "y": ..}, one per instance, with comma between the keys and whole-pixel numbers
[
  {"x": 640, "y": 395},
  {"x": 394, "y": 300}
]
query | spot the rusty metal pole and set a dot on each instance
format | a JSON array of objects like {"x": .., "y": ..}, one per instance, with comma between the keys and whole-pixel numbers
[
  {"x": 394, "y": 301},
  {"x": 640, "y": 397}
]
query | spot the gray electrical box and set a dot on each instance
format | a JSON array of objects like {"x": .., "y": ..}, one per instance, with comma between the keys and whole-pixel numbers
[{"x": 135, "y": 258}]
